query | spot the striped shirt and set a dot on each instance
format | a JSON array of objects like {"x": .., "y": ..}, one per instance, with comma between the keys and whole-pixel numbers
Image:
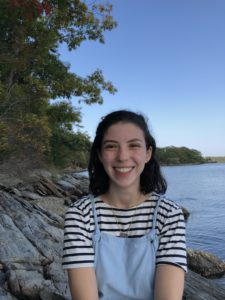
[{"x": 79, "y": 227}]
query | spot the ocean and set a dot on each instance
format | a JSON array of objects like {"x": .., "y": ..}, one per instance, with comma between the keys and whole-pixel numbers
[{"x": 201, "y": 189}]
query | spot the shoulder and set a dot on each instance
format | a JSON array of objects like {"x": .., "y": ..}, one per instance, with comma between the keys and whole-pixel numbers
[
  {"x": 82, "y": 206},
  {"x": 164, "y": 202},
  {"x": 168, "y": 208},
  {"x": 171, "y": 232},
  {"x": 169, "y": 205}
]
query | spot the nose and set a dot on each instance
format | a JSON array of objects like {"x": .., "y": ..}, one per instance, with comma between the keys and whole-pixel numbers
[{"x": 122, "y": 153}]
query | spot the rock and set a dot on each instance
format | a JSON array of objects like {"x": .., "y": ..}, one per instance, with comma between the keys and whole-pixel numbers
[
  {"x": 186, "y": 213},
  {"x": 15, "y": 247},
  {"x": 9, "y": 181},
  {"x": 31, "y": 248},
  {"x": 71, "y": 179},
  {"x": 83, "y": 182},
  {"x": 205, "y": 264},
  {"x": 37, "y": 173},
  {"x": 17, "y": 192},
  {"x": 53, "y": 204},
  {"x": 46, "y": 186},
  {"x": 75, "y": 186},
  {"x": 4, "y": 295},
  {"x": 26, "y": 283},
  {"x": 200, "y": 288},
  {"x": 30, "y": 195},
  {"x": 66, "y": 185},
  {"x": 45, "y": 294}
]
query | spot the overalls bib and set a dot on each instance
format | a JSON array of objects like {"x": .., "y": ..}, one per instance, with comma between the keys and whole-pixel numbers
[{"x": 125, "y": 267}]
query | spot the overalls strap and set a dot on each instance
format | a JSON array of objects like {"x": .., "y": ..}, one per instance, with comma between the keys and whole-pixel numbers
[
  {"x": 154, "y": 221},
  {"x": 95, "y": 214}
]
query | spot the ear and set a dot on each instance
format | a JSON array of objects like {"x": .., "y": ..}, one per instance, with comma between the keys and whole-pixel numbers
[{"x": 148, "y": 154}]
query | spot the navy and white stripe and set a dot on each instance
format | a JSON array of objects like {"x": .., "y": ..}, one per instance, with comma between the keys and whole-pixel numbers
[{"x": 79, "y": 228}]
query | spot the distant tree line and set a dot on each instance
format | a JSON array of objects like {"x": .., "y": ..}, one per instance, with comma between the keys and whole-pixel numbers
[
  {"x": 218, "y": 159},
  {"x": 37, "y": 118},
  {"x": 180, "y": 155}
]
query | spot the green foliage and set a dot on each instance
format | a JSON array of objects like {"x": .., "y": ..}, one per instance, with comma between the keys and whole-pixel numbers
[
  {"x": 62, "y": 115},
  {"x": 69, "y": 149},
  {"x": 31, "y": 134},
  {"x": 66, "y": 146},
  {"x": 32, "y": 74},
  {"x": 4, "y": 145},
  {"x": 179, "y": 155},
  {"x": 31, "y": 32}
]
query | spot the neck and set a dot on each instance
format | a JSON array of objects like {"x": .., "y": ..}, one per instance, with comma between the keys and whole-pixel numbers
[{"x": 123, "y": 199}]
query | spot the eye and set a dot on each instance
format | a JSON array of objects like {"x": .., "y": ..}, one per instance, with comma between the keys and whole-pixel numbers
[
  {"x": 135, "y": 145},
  {"x": 110, "y": 146}
]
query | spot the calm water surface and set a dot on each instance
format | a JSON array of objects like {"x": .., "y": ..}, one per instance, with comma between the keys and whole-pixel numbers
[{"x": 201, "y": 189}]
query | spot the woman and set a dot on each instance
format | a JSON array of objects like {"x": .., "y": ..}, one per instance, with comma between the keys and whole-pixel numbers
[{"x": 125, "y": 240}]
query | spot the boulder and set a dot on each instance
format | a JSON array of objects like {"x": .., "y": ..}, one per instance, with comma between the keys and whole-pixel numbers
[
  {"x": 205, "y": 264},
  {"x": 186, "y": 213}
]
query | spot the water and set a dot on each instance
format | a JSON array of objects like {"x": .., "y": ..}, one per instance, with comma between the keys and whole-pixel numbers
[{"x": 201, "y": 189}]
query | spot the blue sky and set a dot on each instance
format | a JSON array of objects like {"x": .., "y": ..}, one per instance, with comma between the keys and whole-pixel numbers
[{"x": 167, "y": 60}]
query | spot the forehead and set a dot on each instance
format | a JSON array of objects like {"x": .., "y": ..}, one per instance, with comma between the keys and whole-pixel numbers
[{"x": 122, "y": 130}]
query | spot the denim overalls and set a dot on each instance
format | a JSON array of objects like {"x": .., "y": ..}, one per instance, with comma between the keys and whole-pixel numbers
[{"x": 125, "y": 267}]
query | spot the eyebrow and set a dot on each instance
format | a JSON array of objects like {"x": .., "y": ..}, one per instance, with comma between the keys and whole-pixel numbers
[
  {"x": 130, "y": 141},
  {"x": 109, "y": 141}
]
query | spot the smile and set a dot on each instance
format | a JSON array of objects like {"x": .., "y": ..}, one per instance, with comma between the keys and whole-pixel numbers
[{"x": 123, "y": 170}]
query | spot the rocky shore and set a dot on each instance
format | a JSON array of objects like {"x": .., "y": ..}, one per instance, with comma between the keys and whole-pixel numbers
[{"x": 31, "y": 234}]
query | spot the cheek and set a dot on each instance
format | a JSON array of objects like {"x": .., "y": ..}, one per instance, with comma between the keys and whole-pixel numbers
[
  {"x": 105, "y": 158},
  {"x": 142, "y": 156},
  {"x": 142, "y": 159}
]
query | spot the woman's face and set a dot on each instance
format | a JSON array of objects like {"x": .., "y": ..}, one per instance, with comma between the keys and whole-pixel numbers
[{"x": 124, "y": 155}]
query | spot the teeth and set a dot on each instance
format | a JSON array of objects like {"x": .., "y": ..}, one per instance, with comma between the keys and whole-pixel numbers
[{"x": 123, "y": 170}]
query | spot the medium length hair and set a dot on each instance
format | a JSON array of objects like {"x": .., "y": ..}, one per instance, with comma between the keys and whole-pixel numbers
[{"x": 151, "y": 178}]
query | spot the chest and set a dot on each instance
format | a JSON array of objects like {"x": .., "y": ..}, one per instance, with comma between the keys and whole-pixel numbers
[{"x": 133, "y": 222}]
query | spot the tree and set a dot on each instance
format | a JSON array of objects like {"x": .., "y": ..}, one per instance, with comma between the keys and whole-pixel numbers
[
  {"x": 179, "y": 155},
  {"x": 32, "y": 74}
]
